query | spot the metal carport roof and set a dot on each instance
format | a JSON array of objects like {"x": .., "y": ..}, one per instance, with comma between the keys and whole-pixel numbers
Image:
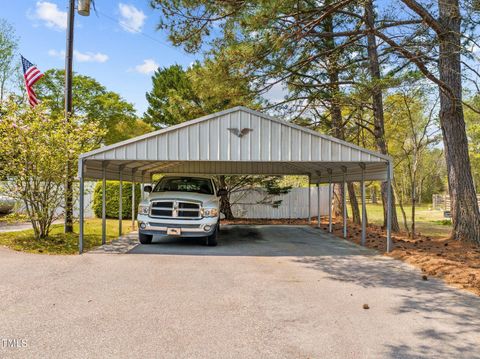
[
  {"x": 214, "y": 144},
  {"x": 237, "y": 141}
]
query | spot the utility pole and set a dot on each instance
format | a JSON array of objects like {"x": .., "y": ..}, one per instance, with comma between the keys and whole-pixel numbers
[
  {"x": 68, "y": 112},
  {"x": 69, "y": 59},
  {"x": 83, "y": 9}
]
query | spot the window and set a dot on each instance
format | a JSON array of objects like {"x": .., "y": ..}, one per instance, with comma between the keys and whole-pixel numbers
[{"x": 185, "y": 184}]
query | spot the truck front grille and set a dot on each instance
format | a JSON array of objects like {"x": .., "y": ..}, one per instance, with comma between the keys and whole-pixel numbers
[
  {"x": 173, "y": 225},
  {"x": 175, "y": 209},
  {"x": 161, "y": 212}
]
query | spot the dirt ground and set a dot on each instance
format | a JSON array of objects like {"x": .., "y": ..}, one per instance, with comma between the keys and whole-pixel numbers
[{"x": 457, "y": 263}]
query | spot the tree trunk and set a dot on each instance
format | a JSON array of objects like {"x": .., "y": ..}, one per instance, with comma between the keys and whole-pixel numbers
[
  {"x": 413, "y": 191},
  {"x": 404, "y": 215},
  {"x": 420, "y": 193},
  {"x": 464, "y": 207},
  {"x": 2, "y": 89},
  {"x": 225, "y": 206},
  {"x": 413, "y": 217},
  {"x": 337, "y": 200},
  {"x": 337, "y": 122},
  {"x": 377, "y": 104},
  {"x": 43, "y": 228},
  {"x": 373, "y": 194},
  {"x": 354, "y": 203}
]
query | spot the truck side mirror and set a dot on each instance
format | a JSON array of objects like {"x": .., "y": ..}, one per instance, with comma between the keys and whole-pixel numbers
[
  {"x": 147, "y": 189},
  {"x": 222, "y": 192}
]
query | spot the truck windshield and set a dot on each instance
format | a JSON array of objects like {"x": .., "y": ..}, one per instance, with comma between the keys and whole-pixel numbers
[{"x": 184, "y": 184}]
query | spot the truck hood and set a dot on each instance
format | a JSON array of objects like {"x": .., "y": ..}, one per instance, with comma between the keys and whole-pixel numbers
[{"x": 187, "y": 196}]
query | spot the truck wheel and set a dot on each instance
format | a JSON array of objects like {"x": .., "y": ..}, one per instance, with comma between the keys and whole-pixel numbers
[
  {"x": 212, "y": 239},
  {"x": 145, "y": 238}
]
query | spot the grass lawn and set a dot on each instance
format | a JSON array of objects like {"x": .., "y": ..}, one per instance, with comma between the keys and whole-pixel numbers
[
  {"x": 428, "y": 222},
  {"x": 59, "y": 242}
]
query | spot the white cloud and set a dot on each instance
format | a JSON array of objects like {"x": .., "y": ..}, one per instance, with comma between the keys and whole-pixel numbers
[
  {"x": 131, "y": 18},
  {"x": 81, "y": 56},
  {"x": 149, "y": 66},
  {"x": 276, "y": 93},
  {"x": 55, "y": 53},
  {"x": 51, "y": 15},
  {"x": 90, "y": 57}
]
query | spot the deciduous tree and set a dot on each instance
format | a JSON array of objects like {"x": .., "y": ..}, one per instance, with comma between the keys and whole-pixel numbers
[
  {"x": 35, "y": 149},
  {"x": 93, "y": 103},
  {"x": 413, "y": 134},
  {"x": 8, "y": 48}
]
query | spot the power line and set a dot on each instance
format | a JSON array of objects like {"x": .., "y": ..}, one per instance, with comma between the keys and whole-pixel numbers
[{"x": 108, "y": 17}]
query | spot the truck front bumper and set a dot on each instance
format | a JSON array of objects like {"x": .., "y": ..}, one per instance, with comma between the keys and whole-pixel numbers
[{"x": 189, "y": 228}]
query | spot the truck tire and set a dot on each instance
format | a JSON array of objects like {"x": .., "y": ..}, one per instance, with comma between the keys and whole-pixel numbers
[
  {"x": 212, "y": 239},
  {"x": 145, "y": 238}
]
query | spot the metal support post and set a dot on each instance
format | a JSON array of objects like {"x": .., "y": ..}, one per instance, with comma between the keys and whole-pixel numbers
[
  {"x": 344, "y": 184},
  {"x": 81, "y": 206},
  {"x": 133, "y": 200},
  {"x": 120, "y": 201},
  {"x": 104, "y": 203},
  {"x": 389, "y": 207},
  {"x": 309, "y": 202},
  {"x": 142, "y": 196},
  {"x": 330, "y": 229},
  {"x": 318, "y": 201},
  {"x": 364, "y": 209}
]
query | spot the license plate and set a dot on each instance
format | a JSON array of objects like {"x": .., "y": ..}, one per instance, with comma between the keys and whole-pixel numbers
[{"x": 174, "y": 231}]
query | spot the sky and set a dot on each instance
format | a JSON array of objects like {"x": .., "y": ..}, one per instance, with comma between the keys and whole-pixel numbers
[{"x": 119, "y": 46}]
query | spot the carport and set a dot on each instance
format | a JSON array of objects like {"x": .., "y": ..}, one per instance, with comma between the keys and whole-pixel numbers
[{"x": 238, "y": 141}]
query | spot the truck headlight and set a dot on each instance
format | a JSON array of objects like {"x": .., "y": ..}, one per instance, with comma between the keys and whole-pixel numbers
[
  {"x": 143, "y": 209},
  {"x": 209, "y": 212}
]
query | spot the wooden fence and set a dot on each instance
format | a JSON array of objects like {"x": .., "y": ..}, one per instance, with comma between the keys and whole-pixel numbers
[{"x": 442, "y": 202}]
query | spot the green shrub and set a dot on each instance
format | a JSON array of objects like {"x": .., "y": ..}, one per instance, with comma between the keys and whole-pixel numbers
[
  {"x": 111, "y": 195},
  {"x": 444, "y": 222}
]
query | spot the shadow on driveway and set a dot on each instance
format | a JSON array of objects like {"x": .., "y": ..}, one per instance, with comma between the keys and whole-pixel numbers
[
  {"x": 267, "y": 240},
  {"x": 451, "y": 317}
]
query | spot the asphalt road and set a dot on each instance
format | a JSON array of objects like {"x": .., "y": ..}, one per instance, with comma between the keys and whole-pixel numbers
[
  {"x": 264, "y": 292},
  {"x": 20, "y": 226}
]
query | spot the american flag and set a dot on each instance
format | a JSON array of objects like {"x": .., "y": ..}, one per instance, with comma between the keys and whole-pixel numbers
[{"x": 31, "y": 75}]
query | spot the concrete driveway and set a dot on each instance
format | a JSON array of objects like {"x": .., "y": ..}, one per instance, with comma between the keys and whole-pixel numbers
[{"x": 264, "y": 292}]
